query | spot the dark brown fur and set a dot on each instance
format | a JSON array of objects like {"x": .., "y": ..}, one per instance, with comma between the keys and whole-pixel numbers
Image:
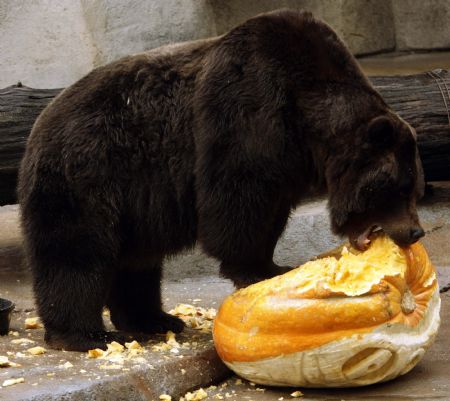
[{"x": 214, "y": 141}]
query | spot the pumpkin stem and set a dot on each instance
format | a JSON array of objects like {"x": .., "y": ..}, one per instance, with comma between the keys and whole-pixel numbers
[{"x": 408, "y": 302}]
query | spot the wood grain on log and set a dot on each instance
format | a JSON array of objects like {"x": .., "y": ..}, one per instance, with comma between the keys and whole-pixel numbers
[
  {"x": 19, "y": 108},
  {"x": 423, "y": 100}
]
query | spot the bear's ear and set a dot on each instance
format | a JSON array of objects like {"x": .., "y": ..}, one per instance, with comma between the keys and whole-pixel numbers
[{"x": 381, "y": 132}]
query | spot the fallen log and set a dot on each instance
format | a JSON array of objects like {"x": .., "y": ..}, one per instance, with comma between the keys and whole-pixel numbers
[
  {"x": 19, "y": 108},
  {"x": 423, "y": 100}
]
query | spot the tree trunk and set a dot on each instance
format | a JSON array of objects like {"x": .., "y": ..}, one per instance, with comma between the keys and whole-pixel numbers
[{"x": 423, "y": 100}]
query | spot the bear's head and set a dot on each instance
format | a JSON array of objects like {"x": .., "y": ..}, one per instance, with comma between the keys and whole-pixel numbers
[{"x": 375, "y": 181}]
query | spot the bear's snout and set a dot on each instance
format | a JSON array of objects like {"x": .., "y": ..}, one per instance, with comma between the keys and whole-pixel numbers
[
  {"x": 407, "y": 236},
  {"x": 416, "y": 233}
]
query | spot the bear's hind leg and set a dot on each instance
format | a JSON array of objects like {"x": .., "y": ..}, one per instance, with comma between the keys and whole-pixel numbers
[
  {"x": 71, "y": 284},
  {"x": 71, "y": 245},
  {"x": 135, "y": 302}
]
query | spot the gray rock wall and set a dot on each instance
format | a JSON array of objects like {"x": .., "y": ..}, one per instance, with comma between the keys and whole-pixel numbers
[{"x": 52, "y": 43}]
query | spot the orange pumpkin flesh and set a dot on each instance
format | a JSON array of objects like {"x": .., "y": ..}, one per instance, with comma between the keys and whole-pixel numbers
[{"x": 325, "y": 301}]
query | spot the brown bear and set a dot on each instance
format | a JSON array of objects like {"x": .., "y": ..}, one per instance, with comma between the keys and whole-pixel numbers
[{"x": 211, "y": 142}]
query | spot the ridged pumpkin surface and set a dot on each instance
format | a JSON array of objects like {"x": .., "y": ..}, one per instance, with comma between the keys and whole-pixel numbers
[{"x": 326, "y": 300}]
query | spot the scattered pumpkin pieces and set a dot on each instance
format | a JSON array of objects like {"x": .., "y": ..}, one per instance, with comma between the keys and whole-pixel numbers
[
  {"x": 116, "y": 354},
  {"x": 165, "y": 397},
  {"x": 195, "y": 317},
  {"x": 171, "y": 344},
  {"x": 297, "y": 394},
  {"x": 33, "y": 323},
  {"x": 171, "y": 339},
  {"x": 37, "y": 350},
  {"x": 196, "y": 395},
  {"x": 12, "y": 382},
  {"x": 115, "y": 347},
  {"x": 4, "y": 362},
  {"x": 95, "y": 353},
  {"x": 22, "y": 341},
  {"x": 134, "y": 345},
  {"x": 66, "y": 365}
]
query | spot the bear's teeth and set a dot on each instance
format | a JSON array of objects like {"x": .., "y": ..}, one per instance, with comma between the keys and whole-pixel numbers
[{"x": 363, "y": 240}]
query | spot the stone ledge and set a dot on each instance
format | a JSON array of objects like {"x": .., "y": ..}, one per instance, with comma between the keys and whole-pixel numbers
[{"x": 160, "y": 372}]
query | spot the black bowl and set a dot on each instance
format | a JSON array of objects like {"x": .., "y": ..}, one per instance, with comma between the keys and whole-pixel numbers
[{"x": 6, "y": 308}]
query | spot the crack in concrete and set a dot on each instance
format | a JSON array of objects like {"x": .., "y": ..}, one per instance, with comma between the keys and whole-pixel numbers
[
  {"x": 445, "y": 288},
  {"x": 142, "y": 387},
  {"x": 434, "y": 229}
]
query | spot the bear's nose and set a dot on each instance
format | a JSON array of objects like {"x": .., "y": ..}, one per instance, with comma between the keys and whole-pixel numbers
[{"x": 416, "y": 233}]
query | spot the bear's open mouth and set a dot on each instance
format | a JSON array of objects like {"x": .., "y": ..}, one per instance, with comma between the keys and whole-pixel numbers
[{"x": 362, "y": 241}]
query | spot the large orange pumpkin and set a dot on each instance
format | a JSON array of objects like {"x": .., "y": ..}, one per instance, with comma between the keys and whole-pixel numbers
[{"x": 348, "y": 319}]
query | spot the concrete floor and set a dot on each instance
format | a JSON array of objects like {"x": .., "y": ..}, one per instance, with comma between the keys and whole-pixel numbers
[{"x": 48, "y": 378}]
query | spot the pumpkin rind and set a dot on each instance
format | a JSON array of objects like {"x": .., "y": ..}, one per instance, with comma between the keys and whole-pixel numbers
[{"x": 318, "y": 336}]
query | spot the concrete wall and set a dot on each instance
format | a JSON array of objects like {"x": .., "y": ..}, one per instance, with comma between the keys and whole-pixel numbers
[
  {"x": 120, "y": 27},
  {"x": 52, "y": 43},
  {"x": 366, "y": 26},
  {"x": 422, "y": 24},
  {"x": 44, "y": 43}
]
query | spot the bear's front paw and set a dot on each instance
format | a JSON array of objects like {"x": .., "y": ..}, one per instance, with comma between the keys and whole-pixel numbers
[
  {"x": 162, "y": 323},
  {"x": 244, "y": 279},
  {"x": 276, "y": 270},
  {"x": 76, "y": 341}
]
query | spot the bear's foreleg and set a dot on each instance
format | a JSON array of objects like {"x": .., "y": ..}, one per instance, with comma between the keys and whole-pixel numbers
[
  {"x": 243, "y": 274},
  {"x": 135, "y": 301},
  {"x": 242, "y": 230}
]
